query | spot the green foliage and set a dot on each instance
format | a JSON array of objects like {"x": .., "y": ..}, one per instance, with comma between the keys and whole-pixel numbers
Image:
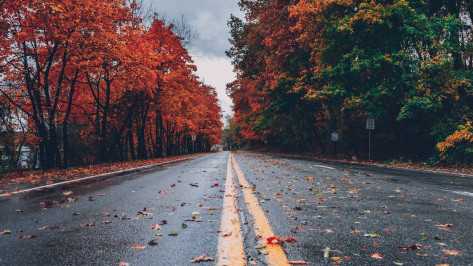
[{"x": 306, "y": 68}]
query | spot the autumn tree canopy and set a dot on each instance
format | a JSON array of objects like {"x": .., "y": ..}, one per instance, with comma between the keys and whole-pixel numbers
[
  {"x": 307, "y": 68},
  {"x": 92, "y": 83}
]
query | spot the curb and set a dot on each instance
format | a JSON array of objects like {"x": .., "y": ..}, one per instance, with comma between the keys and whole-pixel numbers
[
  {"x": 120, "y": 172},
  {"x": 373, "y": 165}
]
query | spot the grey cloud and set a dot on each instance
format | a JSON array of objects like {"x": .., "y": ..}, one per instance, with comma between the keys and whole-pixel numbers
[{"x": 208, "y": 17}]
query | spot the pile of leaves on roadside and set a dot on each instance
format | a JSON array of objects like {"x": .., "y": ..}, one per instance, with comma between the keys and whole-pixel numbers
[
  {"x": 459, "y": 168},
  {"x": 24, "y": 179}
]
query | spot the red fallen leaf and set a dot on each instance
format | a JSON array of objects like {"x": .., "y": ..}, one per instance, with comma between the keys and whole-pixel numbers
[
  {"x": 27, "y": 236},
  {"x": 173, "y": 185},
  {"x": 290, "y": 239},
  {"x": 106, "y": 214},
  {"x": 214, "y": 185},
  {"x": 411, "y": 247},
  {"x": 296, "y": 208},
  {"x": 89, "y": 224},
  {"x": 106, "y": 222},
  {"x": 386, "y": 212},
  {"x": 201, "y": 258},
  {"x": 298, "y": 262},
  {"x": 155, "y": 226},
  {"x": 274, "y": 240},
  {"x": 377, "y": 256},
  {"x": 145, "y": 213},
  {"x": 138, "y": 247},
  {"x": 121, "y": 263},
  {"x": 451, "y": 252}
]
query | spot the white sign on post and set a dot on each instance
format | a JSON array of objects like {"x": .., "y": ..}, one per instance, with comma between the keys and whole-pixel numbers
[
  {"x": 370, "y": 123},
  {"x": 335, "y": 136}
]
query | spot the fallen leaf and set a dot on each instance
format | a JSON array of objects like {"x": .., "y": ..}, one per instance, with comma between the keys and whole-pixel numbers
[
  {"x": 67, "y": 193},
  {"x": 173, "y": 234},
  {"x": 144, "y": 213},
  {"x": 445, "y": 225},
  {"x": 371, "y": 235},
  {"x": 121, "y": 263},
  {"x": 156, "y": 227},
  {"x": 138, "y": 247},
  {"x": 298, "y": 262},
  {"x": 377, "y": 256},
  {"x": 290, "y": 239},
  {"x": 201, "y": 258},
  {"x": 153, "y": 242},
  {"x": 274, "y": 240},
  {"x": 261, "y": 250},
  {"x": 106, "y": 222},
  {"x": 183, "y": 225},
  {"x": 227, "y": 234},
  {"x": 5, "y": 232},
  {"x": 50, "y": 227},
  {"x": 451, "y": 252},
  {"x": 27, "y": 236},
  {"x": 411, "y": 247},
  {"x": 326, "y": 252},
  {"x": 89, "y": 224}
]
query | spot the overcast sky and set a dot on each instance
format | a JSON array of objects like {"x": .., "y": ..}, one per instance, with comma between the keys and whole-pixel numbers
[{"x": 209, "y": 18}]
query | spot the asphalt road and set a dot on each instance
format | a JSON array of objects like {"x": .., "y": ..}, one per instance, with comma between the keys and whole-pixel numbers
[{"x": 338, "y": 215}]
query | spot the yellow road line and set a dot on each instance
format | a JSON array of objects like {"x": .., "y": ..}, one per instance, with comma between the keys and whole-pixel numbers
[
  {"x": 230, "y": 243},
  {"x": 275, "y": 254}
]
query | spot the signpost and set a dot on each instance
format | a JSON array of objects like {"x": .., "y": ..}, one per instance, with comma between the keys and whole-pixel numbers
[
  {"x": 335, "y": 136},
  {"x": 370, "y": 123},
  {"x": 193, "y": 137}
]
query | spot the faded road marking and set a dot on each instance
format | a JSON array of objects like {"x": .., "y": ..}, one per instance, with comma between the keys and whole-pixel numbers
[
  {"x": 326, "y": 167},
  {"x": 230, "y": 243},
  {"x": 125, "y": 171},
  {"x": 275, "y": 254},
  {"x": 463, "y": 193}
]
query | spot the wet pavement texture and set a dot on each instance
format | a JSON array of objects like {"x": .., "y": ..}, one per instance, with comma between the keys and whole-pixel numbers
[
  {"x": 338, "y": 214},
  {"x": 134, "y": 203},
  {"x": 353, "y": 215}
]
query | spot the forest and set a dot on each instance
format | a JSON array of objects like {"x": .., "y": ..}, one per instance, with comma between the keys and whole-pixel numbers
[
  {"x": 307, "y": 68},
  {"x": 92, "y": 81}
]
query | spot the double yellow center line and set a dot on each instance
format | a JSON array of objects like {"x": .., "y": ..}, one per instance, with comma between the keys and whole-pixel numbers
[{"x": 230, "y": 242}]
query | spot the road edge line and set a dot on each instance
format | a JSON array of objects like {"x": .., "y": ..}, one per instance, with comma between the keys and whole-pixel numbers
[
  {"x": 276, "y": 255},
  {"x": 230, "y": 249},
  {"x": 125, "y": 171}
]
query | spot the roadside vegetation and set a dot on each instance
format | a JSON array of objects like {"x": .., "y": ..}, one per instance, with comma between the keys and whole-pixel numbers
[
  {"x": 90, "y": 82},
  {"x": 306, "y": 69}
]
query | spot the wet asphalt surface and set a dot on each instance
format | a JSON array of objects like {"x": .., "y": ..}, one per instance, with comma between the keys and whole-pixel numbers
[{"x": 338, "y": 215}]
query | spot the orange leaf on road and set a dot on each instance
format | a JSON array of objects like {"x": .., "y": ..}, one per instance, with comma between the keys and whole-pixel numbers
[
  {"x": 201, "y": 258},
  {"x": 451, "y": 252},
  {"x": 377, "y": 256},
  {"x": 290, "y": 239}
]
